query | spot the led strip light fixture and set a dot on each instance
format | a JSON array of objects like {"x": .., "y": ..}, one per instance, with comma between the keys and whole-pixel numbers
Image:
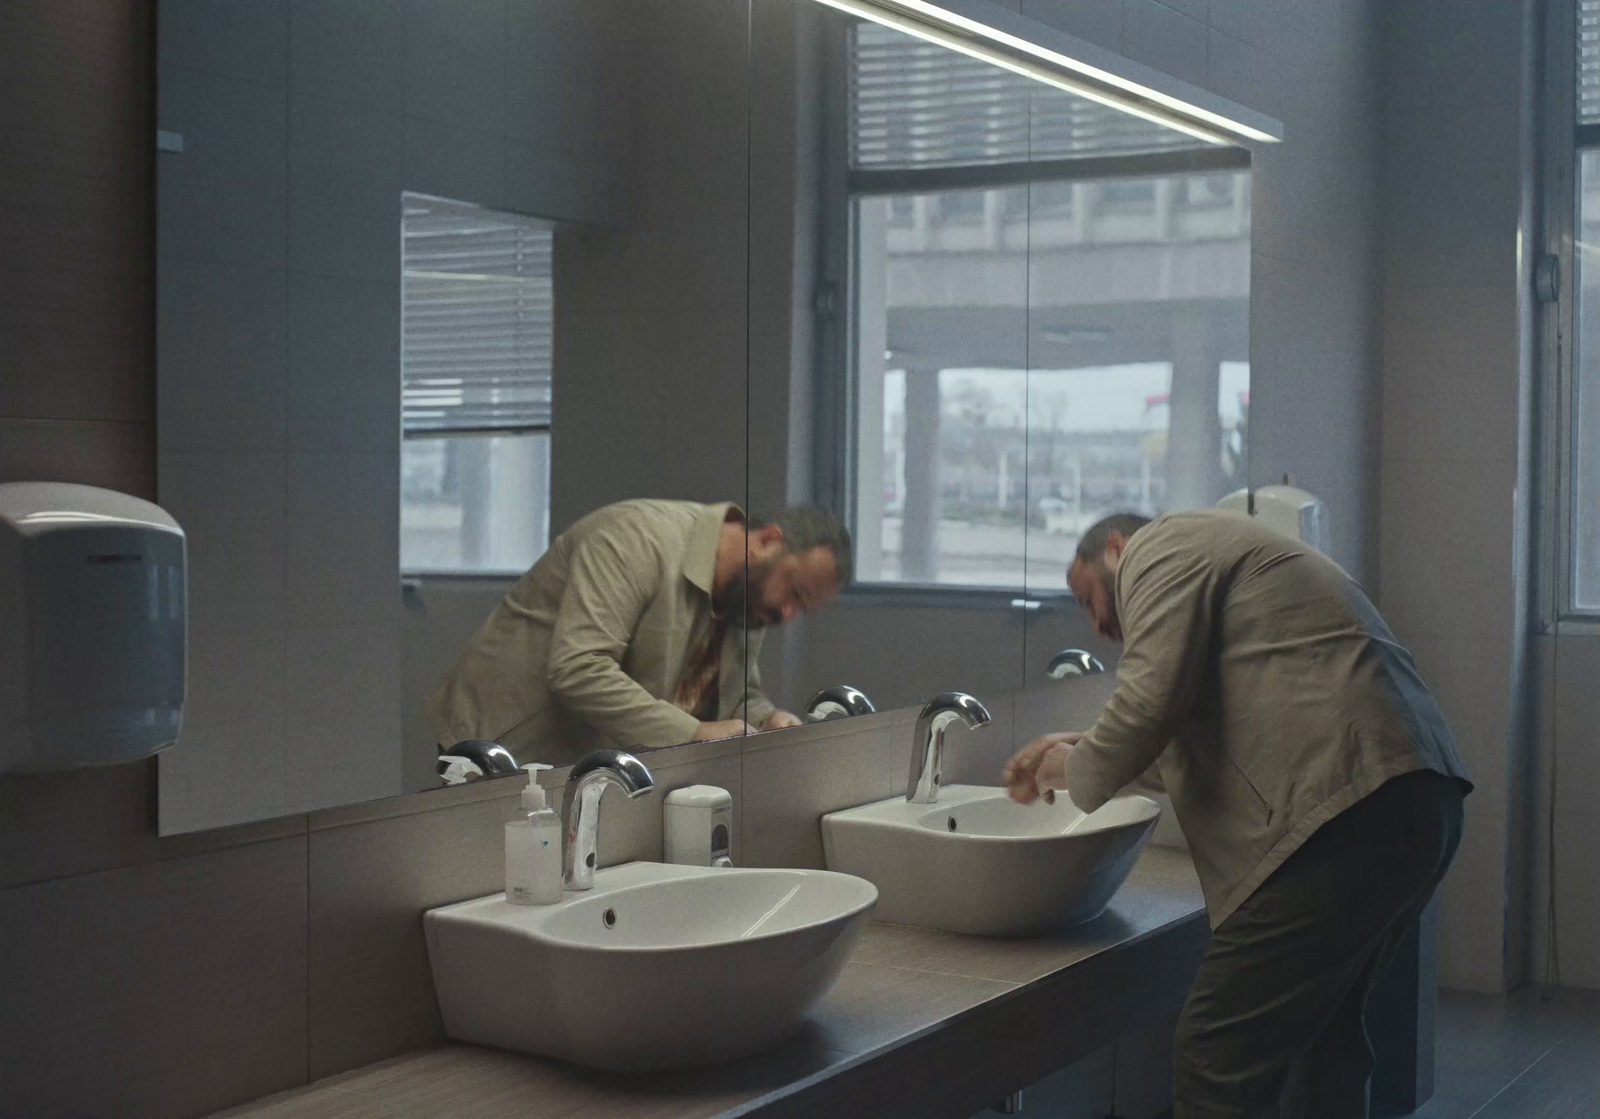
[{"x": 976, "y": 28}]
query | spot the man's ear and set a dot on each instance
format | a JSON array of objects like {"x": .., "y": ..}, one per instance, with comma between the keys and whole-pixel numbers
[
  {"x": 766, "y": 539},
  {"x": 1115, "y": 542}
]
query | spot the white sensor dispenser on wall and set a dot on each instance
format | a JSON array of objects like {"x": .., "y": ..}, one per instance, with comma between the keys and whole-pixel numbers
[
  {"x": 93, "y": 627},
  {"x": 1284, "y": 509},
  {"x": 699, "y": 826}
]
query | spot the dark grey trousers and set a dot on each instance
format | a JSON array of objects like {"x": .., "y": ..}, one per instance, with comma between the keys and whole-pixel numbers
[{"x": 1273, "y": 1028}]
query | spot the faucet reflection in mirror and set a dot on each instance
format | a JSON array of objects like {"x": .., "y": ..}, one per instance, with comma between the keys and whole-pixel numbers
[
  {"x": 927, "y": 748},
  {"x": 1071, "y": 663},
  {"x": 581, "y": 808},
  {"x": 838, "y": 702},
  {"x": 473, "y": 759}
]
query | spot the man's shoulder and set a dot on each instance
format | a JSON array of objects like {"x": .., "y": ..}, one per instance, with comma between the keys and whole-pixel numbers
[
  {"x": 648, "y": 515},
  {"x": 647, "y": 532},
  {"x": 1199, "y": 536},
  {"x": 1189, "y": 529}
]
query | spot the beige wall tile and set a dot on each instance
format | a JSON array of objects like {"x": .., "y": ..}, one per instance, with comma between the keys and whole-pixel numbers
[
  {"x": 114, "y": 455},
  {"x": 632, "y": 829},
  {"x": 167, "y": 989},
  {"x": 972, "y": 755},
  {"x": 371, "y": 992},
  {"x": 85, "y": 359},
  {"x": 54, "y": 825},
  {"x": 1446, "y": 564},
  {"x": 67, "y": 70},
  {"x": 788, "y": 788},
  {"x": 1472, "y": 903}
]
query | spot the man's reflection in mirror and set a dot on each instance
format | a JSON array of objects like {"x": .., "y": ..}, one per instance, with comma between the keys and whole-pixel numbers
[{"x": 640, "y": 627}]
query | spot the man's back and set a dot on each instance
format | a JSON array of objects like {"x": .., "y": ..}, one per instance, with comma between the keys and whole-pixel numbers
[{"x": 1284, "y": 695}]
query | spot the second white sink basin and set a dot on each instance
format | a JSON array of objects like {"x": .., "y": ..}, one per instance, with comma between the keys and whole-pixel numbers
[
  {"x": 977, "y": 862},
  {"x": 658, "y": 966}
]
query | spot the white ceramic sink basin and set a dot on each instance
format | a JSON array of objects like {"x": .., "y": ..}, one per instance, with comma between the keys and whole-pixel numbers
[
  {"x": 658, "y": 966},
  {"x": 977, "y": 862}
]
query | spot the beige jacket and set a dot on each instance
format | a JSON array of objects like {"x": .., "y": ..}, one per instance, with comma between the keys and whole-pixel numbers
[
  {"x": 583, "y": 650},
  {"x": 1266, "y": 688}
]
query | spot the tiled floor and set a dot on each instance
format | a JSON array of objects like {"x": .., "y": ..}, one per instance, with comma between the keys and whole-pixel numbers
[{"x": 1519, "y": 1057}]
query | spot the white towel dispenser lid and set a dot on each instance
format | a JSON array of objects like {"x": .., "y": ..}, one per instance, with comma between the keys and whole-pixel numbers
[
  {"x": 1284, "y": 509},
  {"x": 701, "y": 796}
]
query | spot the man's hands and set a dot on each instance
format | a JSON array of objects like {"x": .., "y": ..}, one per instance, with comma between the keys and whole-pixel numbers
[
  {"x": 732, "y": 728},
  {"x": 1039, "y": 768},
  {"x": 722, "y": 728}
]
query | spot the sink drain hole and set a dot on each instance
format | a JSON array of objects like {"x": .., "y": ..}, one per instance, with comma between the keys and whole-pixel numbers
[
  {"x": 609, "y": 918},
  {"x": 952, "y": 823}
]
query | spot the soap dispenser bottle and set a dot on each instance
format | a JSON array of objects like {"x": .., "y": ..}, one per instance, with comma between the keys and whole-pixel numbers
[{"x": 533, "y": 848}]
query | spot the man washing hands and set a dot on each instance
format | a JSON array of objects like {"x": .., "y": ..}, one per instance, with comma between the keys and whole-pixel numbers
[
  {"x": 1315, "y": 780},
  {"x": 1039, "y": 768}
]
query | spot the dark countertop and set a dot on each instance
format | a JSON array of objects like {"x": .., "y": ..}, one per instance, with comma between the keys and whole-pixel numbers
[{"x": 921, "y": 1023}]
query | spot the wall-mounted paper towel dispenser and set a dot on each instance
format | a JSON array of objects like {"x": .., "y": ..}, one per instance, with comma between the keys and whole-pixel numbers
[{"x": 93, "y": 627}]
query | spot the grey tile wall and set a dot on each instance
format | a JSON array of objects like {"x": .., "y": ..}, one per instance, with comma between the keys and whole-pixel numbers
[
  {"x": 347, "y": 52},
  {"x": 342, "y": 390},
  {"x": 223, "y": 343},
  {"x": 1454, "y": 375},
  {"x": 229, "y": 182},
  {"x": 236, "y": 565},
  {"x": 229, "y": 759},
  {"x": 1166, "y": 38},
  {"x": 342, "y": 688},
  {"x": 345, "y": 181}
]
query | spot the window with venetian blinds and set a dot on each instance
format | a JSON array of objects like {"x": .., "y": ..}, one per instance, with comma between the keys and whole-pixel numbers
[
  {"x": 915, "y": 104},
  {"x": 476, "y": 319}
]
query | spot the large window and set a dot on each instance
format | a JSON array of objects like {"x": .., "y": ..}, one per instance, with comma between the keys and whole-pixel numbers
[
  {"x": 1049, "y": 306},
  {"x": 475, "y": 367},
  {"x": 1584, "y": 454},
  {"x": 1572, "y": 370}
]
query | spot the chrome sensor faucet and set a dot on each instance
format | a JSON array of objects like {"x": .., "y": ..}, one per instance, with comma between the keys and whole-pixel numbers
[
  {"x": 927, "y": 750},
  {"x": 581, "y": 808}
]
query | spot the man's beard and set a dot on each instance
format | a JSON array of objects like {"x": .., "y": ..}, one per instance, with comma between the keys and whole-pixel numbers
[{"x": 741, "y": 604}]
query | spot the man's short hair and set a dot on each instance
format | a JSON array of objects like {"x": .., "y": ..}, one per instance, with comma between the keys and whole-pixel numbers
[
  {"x": 1092, "y": 545},
  {"x": 811, "y": 526}
]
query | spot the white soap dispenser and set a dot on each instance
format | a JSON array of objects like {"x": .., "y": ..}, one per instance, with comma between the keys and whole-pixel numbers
[
  {"x": 699, "y": 826},
  {"x": 533, "y": 848}
]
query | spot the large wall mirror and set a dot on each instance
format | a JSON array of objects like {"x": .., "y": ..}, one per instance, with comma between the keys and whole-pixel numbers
[{"x": 572, "y": 373}]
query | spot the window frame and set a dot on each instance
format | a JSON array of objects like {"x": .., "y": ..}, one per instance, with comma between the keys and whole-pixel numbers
[
  {"x": 1562, "y": 140},
  {"x": 836, "y": 431}
]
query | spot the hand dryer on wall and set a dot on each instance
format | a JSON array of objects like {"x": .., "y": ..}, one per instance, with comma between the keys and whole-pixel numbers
[
  {"x": 1284, "y": 509},
  {"x": 93, "y": 627}
]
